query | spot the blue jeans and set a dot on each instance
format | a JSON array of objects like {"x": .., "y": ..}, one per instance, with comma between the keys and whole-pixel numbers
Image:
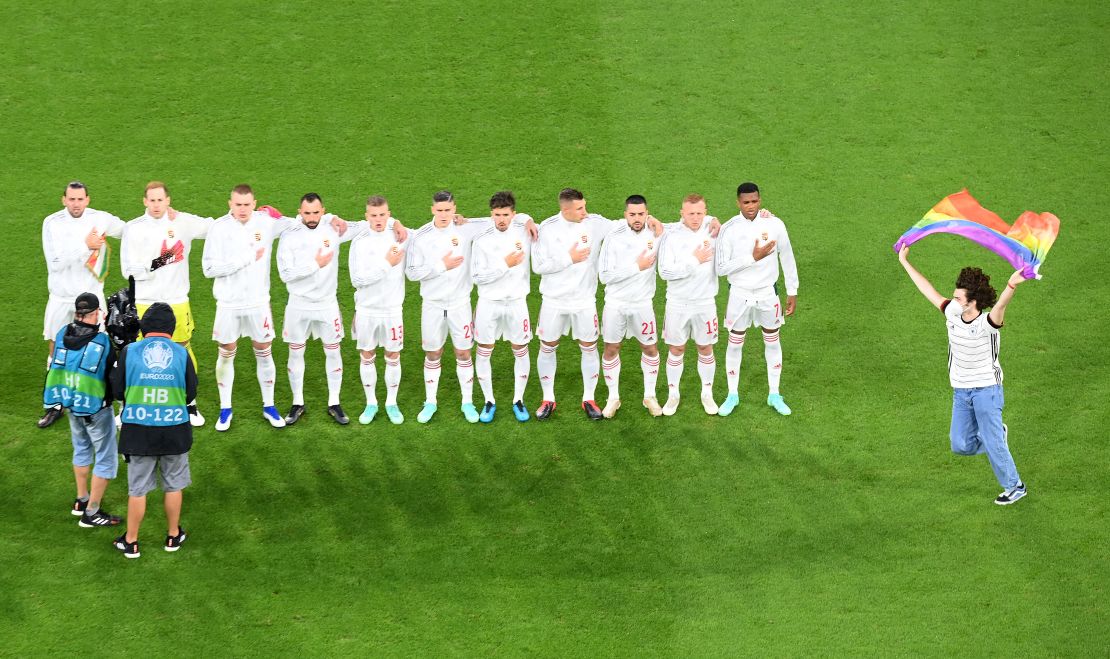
[{"x": 977, "y": 428}]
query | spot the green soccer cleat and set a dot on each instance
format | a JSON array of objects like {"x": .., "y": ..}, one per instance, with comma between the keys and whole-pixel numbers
[
  {"x": 729, "y": 404},
  {"x": 394, "y": 414},
  {"x": 470, "y": 412},
  {"x": 427, "y": 413},
  {"x": 776, "y": 401},
  {"x": 368, "y": 414}
]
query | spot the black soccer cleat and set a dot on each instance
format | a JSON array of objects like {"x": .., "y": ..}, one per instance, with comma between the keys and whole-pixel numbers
[
  {"x": 51, "y": 415},
  {"x": 546, "y": 409},
  {"x": 337, "y": 413},
  {"x": 99, "y": 518},
  {"x": 591, "y": 410},
  {"x": 295, "y": 413}
]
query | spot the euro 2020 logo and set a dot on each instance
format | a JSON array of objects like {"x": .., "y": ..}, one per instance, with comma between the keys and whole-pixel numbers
[{"x": 157, "y": 356}]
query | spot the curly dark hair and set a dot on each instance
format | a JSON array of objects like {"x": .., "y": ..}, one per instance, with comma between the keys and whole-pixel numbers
[{"x": 978, "y": 287}]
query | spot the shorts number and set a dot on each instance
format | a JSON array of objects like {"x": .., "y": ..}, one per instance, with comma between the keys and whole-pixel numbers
[
  {"x": 776, "y": 310},
  {"x": 467, "y": 330},
  {"x": 266, "y": 323},
  {"x": 338, "y": 326},
  {"x": 525, "y": 325},
  {"x": 595, "y": 321},
  {"x": 397, "y": 333},
  {"x": 711, "y": 326},
  {"x": 648, "y": 328}
]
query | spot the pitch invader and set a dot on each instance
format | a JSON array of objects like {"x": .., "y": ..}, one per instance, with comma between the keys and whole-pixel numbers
[
  {"x": 155, "y": 251},
  {"x": 751, "y": 245},
  {"x": 627, "y": 268},
  {"x": 308, "y": 264},
  {"x": 439, "y": 258},
  {"x": 237, "y": 256},
  {"x": 686, "y": 263},
  {"x": 377, "y": 265},
  {"x": 73, "y": 242},
  {"x": 566, "y": 260},
  {"x": 502, "y": 272}
]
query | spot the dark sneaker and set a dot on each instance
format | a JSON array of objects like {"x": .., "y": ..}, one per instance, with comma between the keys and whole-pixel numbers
[
  {"x": 591, "y": 409},
  {"x": 547, "y": 408},
  {"x": 174, "y": 542},
  {"x": 1011, "y": 495},
  {"x": 99, "y": 518},
  {"x": 78, "y": 508},
  {"x": 51, "y": 415},
  {"x": 295, "y": 414},
  {"x": 337, "y": 413},
  {"x": 129, "y": 549}
]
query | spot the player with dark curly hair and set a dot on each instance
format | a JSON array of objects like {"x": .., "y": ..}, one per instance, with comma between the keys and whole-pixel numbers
[{"x": 973, "y": 369}]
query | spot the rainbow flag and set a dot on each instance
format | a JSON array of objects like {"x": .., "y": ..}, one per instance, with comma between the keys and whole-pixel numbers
[
  {"x": 1024, "y": 245},
  {"x": 98, "y": 262}
]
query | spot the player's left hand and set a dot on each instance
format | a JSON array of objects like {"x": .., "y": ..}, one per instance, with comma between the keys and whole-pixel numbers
[
  {"x": 339, "y": 224},
  {"x": 714, "y": 227},
  {"x": 460, "y": 219},
  {"x": 533, "y": 230},
  {"x": 655, "y": 225},
  {"x": 764, "y": 213},
  {"x": 791, "y": 305},
  {"x": 400, "y": 232},
  {"x": 1017, "y": 278},
  {"x": 172, "y": 213}
]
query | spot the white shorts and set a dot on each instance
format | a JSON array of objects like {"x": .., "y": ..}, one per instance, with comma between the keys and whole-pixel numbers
[
  {"x": 437, "y": 322},
  {"x": 555, "y": 323},
  {"x": 59, "y": 313},
  {"x": 743, "y": 313},
  {"x": 371, "y": 331},
  {"x": 620, "y": 322},
  {"x": 497, "y": 319},
  {"x": 232, "y": 324},
  {"x": 682, "y": 323},
  {"x": 300, "y": 325}
]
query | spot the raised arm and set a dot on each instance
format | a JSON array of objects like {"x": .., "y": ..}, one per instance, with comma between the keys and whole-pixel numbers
[
  {"x": 730, "y": 259},
  {"x": 221, "y": 258},
  {"x": 366, "y": 270},
  {"x": 673, "y": 264},
  {"x": 62, "y": 248},
  {"x": 611, "y": 270},
  {"x": 923, "y": 285},
  {"x": 545, "y": 260},
  {"x": 998, "y": 312},
  {"x": 291, "y": 263}
]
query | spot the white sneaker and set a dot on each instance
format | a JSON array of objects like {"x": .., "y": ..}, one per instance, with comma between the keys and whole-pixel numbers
[
  {"x": 671, "y": 407},
  {"x": 708, "y": 403},
  {"x": 611, "y": 408},
  {"x": 1011, "y": 495},
  {"x": 652, "y": 405}
]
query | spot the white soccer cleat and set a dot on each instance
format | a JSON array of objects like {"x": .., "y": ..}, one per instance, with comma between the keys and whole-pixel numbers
[
  {"x": 652, "y": 405},
  {"x": 708, "y": 403},
  {"x": 671, "y": 406},
  {"x": 195, "y": 418},
  {"x": 611, "y": 408}
]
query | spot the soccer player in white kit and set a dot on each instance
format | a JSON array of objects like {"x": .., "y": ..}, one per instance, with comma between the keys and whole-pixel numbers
[
  {"x": 237, "y": 258},
  {"x": 686, "y": 264},
  {"x": 503, "y": 275},
  {"x": 76, "y": 262},
  {"x": 155, "y": 251},
  {"x": 377, "y": 265},
  {"x": 750, "y": 247},
  {"x": 627, "y": 268}
]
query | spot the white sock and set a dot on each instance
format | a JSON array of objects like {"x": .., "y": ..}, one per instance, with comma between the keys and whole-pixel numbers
[
  {"x": 333, "y": 362},
  {"x": 772, "y": 350},
  {"x": 591, "y": 365},
  {"x": 521, "y": 367},
  {"x": 650, "y": 367},
  {"x": 368, "y": 371},
  {"x": 431, "y": 379},
  {"x": 545, "y": 366},
  {"x": 392, "y": 380},
  {"x": 707, "y": 368},
  {"x": 225, "y": 375},
  {"x": 612, "y": 370},
  {"x": 674, "y": 374},
  {"x": 733, "y": 355},
  {"x": 484, "y": 371},
  {"x": 296, "y": 372},
  {"x": 464, "y": 371},
  {"x": 266, "y": 372}
]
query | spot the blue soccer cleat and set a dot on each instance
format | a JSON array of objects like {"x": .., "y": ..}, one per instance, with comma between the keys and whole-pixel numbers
[
  {"x": 394, "y": 414},
  {"x": 776, "y": 401},
  {"x": 275, "y": 418},
  {"x": 730, "y": 403},
  {"x": 520, "y": 411},
  {"x": 224, "y": 422},
  {"x": 470, "y": 412},
  {"x": 368, "y": 414},
  {"x": 427, "y": 413},
  {"x": 487, "y": 412}
]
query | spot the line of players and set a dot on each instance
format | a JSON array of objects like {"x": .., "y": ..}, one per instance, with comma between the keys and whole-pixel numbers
[{"x": 571, "y": 251}]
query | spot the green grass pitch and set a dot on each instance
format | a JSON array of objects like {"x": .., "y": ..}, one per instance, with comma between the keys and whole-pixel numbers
[{"x": 847, "y": 528}]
